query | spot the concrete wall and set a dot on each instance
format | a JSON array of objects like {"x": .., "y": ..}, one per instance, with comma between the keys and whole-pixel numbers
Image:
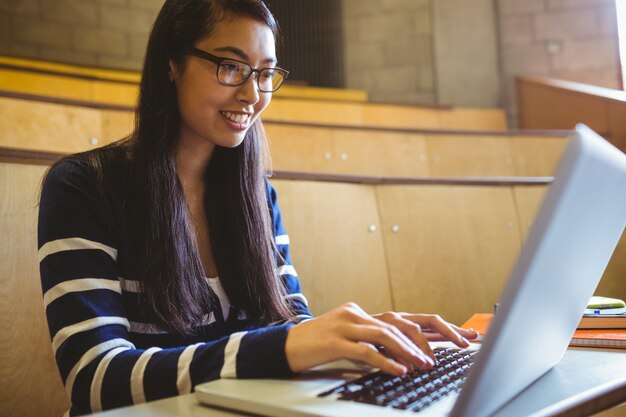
[
  {"x": 423, "y": 51},
  {"x": 573, "y": 40},
  {"x": 103, "y": 33},
  {"x": 388, "y": 48},
  {"x": 466, "y": 53},
  {"x": 457, "y": 52}
]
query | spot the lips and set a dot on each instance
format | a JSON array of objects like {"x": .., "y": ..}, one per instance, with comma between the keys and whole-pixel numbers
[{"x": 239, "y": 119}]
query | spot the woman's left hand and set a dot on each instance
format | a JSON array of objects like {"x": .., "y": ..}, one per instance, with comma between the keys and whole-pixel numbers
[{"x": 422, "y": 328}]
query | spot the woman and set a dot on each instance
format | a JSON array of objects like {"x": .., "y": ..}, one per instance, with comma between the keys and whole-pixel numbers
[{"x": 163, "y": 258}]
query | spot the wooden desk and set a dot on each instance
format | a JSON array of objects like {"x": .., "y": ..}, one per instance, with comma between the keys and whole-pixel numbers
[{"x": 585, "y": 382}]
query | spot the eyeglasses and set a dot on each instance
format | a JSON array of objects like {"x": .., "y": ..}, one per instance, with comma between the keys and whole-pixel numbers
[{"x": 233, "y": 73}]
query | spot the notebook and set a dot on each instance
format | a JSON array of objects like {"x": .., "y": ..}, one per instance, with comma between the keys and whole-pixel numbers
[{"x": 569, "y": 246}]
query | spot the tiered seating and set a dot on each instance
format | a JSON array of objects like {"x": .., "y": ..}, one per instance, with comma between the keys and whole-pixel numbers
[
  {"x": 291, "y": 103},
  {"x": 392, "y": 152},
  {"x": 30, "y": 382},
  {"x": 407, "y": 243},
  {"x": 383, "y": 115},
  {"x": 556, "y": 104},
  {"x": 43, "y": 126},
  {"x": 390, "y": 217}
]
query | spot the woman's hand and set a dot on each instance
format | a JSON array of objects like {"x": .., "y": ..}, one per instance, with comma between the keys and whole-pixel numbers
[
  {"x": 422, "y": 328},
  {"x": 348, "y": 332}
]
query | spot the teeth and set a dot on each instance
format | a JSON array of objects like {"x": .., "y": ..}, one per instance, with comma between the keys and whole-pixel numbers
[{"x": 236, "y": 117}]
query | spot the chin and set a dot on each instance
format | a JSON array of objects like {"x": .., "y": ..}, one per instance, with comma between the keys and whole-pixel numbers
[{"x": 233, "y": 143}]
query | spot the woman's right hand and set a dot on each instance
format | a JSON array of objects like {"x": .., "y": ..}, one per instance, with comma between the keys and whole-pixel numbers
[{"x": 348, "y": 332}]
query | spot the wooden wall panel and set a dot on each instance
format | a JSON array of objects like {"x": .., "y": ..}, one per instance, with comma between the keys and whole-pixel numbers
[
  {"x": 45, "y": 126},
  {"x": 314, "y": 111},
  {"x": 547, "y": 108},
  {"x": 528, "y": 199},
  {"x": 379, "y": 153},
  {"x": 617, "y": 125},
  {"x": 44, "y": 84},
  {"x": 537, "y": 156},
  {"x": 116, "y": 124},
  {"x": 337, "y": 256},
  {"x": 619, "y": 411},
  {"x": 384, "y": 115},
  {"x": 556, "y": 104},
  {"x": 459, "y": 155},
  {"x": 30, "y": 385},
  {"x": 473, "y": 118},
  {"x": 613, "y": 283},
  {"x": 449, "y": 249},
  {"x": 114, "y": 93},
  {"x": 297, "y": 148},
  {"x": 396, "y": 116},
  {"x": 389, "y": 153}
]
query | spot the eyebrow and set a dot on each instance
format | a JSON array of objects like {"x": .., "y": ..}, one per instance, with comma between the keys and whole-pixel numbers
[{"x": 241, "y": 54}]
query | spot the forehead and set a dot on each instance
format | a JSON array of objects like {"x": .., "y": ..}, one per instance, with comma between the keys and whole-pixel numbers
[{"x": 251, "y": 36}]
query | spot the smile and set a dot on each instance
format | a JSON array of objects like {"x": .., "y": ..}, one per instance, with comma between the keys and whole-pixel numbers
[{"x": 239, "y": 118}]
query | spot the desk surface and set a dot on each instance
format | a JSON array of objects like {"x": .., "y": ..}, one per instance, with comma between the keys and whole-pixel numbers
[{"x": 586, "y": 381}]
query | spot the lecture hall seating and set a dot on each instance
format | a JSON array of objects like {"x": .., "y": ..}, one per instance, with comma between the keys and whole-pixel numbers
[
  {"x": 557, "y": 104},
  {"x": 401, "y": 214},
  {"x": 44, "y": 126},
  {"x": 420, "y": 244},
  {"x": 291, "y": 103}
]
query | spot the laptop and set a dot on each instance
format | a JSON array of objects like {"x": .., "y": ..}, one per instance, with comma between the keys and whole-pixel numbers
[{"x": 566, "y": 252}]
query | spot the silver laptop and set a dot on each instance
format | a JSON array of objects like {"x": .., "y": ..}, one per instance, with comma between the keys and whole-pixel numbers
[{"x": 568, "y": 248}]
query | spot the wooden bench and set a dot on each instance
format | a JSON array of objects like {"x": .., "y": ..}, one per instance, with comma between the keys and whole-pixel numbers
[
  {"x": 443, "y": 246},
  {"x": 46, "y": 126},
  {"x": 30, "y": 384},
  {"x": 403, "y": 231},
  {"x": 408, "y": 152},
  {"x": 557, "y": 104},
  {"x": 92, "y": 86},
  {"x": 384, "y": 115}
]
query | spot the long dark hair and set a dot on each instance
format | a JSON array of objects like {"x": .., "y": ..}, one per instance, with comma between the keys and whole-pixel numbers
[
  {"x": 235, "y": 197},
  {"x": 162, "y": 244}
]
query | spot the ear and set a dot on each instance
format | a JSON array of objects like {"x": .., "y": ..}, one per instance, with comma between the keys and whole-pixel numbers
[{"x": 172, "y": 70}]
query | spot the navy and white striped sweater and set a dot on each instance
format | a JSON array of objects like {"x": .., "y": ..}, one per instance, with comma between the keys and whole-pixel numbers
[{"x": 107, "y": 356}]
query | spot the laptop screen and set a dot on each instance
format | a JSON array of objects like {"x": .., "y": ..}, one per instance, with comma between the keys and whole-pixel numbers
[{"x": 567, "y": 250}]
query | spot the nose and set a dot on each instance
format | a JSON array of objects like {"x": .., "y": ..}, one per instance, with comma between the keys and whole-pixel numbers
[{"x": 248, "y": 92}]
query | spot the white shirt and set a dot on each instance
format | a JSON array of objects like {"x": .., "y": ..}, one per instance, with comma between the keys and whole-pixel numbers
[{"x": 217, "y": 288}]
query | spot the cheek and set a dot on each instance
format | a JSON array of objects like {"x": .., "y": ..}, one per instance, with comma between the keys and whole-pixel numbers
[
  {"x": 199, "y": 102},
  {"x": 264, "y": 101}
]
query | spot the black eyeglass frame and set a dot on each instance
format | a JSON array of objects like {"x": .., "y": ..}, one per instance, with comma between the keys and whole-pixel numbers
[{"x": 218, "y": 61}]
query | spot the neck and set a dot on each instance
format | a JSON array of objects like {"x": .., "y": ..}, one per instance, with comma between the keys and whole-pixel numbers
[{"x": 192, "y": 159}]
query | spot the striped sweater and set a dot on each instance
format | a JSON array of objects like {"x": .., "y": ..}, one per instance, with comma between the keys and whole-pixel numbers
[{"x": 107, "y": 354}]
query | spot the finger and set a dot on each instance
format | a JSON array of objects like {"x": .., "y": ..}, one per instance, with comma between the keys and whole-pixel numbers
[
  {"x": 469, "y": 334},
  {"x": 433, "y": 336},
  {"x": 406, "y": 331},
  {"x": 364, "y": 353},
  {"x": 437, "y": 324},
  {"x": 414, "y": 332},
  {"x": 356, "y": 315},
  {"x": 411, "y": 330},
  {"x": 410, "y": 367},
  {"x": 395, "y": 344}
]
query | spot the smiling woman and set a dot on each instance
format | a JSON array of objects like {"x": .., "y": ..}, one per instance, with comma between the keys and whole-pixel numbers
[
  {"x": 164, "y": 262},
  {"x": 211, "y": 113}
]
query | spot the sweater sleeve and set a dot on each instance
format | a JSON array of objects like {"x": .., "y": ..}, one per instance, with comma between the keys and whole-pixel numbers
[
  {"x": 286, "y": 271},
  {"x": 82, "y": 293}
]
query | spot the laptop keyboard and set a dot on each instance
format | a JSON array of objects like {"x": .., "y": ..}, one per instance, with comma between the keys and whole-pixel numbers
[{"x": 414, "y": 391}]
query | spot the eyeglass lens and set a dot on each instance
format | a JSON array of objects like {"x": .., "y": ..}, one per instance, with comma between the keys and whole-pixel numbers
[{"x": 236, "y": 73}]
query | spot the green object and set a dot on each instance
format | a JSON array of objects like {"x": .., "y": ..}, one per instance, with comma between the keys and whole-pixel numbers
[{"x": 599, "y": 303}]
